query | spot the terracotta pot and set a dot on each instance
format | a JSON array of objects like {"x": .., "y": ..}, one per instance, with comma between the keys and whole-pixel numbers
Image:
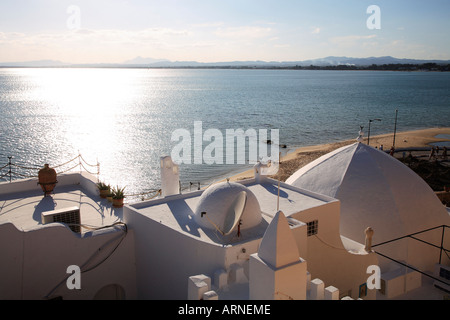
[
  {"x": 118, "y": 203},
  {"x": 47, "y": 179},
  {"x": 103, "y": 193}
]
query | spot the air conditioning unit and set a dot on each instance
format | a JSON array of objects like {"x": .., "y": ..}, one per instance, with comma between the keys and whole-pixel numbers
[{"x": 69, "y": 216}]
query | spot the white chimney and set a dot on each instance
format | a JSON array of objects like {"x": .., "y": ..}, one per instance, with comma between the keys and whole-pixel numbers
[{"x": 170, "y": 177}]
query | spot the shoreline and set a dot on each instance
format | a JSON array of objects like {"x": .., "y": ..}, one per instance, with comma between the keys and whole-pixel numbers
[{"x": 298, "y": 158}]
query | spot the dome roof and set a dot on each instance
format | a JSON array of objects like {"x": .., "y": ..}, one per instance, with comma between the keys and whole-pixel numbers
[
  {"x": 218, "y": 202},
  {"x": 375, "y": 190}
]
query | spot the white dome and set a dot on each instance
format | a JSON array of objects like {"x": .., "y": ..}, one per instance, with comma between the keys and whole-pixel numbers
[
  {"x": 375, "y": 190},
  {"x": 216, "y": 202}
]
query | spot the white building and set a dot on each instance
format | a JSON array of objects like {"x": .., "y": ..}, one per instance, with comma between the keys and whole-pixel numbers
[
  {"x": 256, "y": 239},
  {"x": 379, "y": 191},
  {"x": 35, "y": 257},
  {"x": 184, "y": 235}
]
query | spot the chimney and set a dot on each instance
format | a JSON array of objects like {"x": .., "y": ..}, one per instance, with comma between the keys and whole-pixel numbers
[{"x": 170, "y": 177}]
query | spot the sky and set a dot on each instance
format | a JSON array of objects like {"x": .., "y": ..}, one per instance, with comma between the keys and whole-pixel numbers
[{"x": 115, "y": 31}]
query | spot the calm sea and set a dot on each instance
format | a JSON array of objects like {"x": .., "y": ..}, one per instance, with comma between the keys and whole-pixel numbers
[{"x": 124, "y": 118}]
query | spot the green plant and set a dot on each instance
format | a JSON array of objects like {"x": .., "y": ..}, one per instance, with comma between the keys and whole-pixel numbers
[
  {"x": 118, "y": 193},
  {"x": 103, "y": 186}
]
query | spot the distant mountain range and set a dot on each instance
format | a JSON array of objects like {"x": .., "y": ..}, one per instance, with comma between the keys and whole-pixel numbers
[{"x": 140, "y": 62}]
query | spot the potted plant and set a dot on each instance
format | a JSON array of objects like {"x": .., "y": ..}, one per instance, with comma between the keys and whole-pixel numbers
[
  {"x": 118, "y": 196},
  {"x": 103, "y": 188},
  {"x": 109, "y": 196}
]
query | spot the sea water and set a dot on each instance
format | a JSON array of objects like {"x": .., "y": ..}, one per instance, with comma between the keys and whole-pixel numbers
[{"x": 124, "y": 118}]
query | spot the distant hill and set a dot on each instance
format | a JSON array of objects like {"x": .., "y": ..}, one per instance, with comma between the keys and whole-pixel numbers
[
  {"x": 140, "y": 62},
  {"x": 144, "y": 61},
  {"x": 335, "y": 61},
  {"x": 328, "y": 61},
  {"x": 322, "y": 62}
]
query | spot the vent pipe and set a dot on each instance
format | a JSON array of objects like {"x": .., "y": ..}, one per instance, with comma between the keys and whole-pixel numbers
[{"x": 170, "y": 177}]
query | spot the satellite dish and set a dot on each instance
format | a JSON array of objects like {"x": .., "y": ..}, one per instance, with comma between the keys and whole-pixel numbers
[{"x": 235, "y": 212}]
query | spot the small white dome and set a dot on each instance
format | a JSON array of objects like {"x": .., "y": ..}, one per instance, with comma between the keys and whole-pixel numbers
[{"x": 216, "y": 202}]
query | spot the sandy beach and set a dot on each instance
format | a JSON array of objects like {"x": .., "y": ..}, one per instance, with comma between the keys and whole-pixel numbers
[{"x": 304, "y": 155}]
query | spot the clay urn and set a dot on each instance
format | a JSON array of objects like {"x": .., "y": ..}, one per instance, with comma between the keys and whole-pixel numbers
[{"x": 47, "y": 179}]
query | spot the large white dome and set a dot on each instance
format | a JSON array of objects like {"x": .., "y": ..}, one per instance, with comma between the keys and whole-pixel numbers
[
  {"x": 215, "y": 204},
  {"x": 375, "y": 190}
]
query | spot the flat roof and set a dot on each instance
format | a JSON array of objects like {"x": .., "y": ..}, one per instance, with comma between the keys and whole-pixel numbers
[
  {"x": 24, "y": 208},
  {"x": 177, "y": 211},
  {"x": 292, "y": 199}
]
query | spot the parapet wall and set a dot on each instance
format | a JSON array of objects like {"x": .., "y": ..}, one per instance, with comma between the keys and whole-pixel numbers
[{"x": 34, "y": 263}]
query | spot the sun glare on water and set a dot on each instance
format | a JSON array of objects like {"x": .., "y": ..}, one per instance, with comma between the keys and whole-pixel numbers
[
  {"x": 90, "y": 108},
  {"x": 86, "y": 92}
]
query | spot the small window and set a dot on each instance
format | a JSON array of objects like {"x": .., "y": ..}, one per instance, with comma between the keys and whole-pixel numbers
[{"x": 312, "y": 228}]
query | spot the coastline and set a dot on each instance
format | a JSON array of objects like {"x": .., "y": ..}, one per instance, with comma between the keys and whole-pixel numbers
[{"x": 293, "y": 161}]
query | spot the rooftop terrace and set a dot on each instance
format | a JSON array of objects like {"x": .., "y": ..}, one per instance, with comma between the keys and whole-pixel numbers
[
  {"x": 177, "y": 211},
  {"x": 22, "y": 202}
]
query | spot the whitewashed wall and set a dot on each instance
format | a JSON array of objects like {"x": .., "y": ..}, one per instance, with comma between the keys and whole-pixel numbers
[
  {"x": 326, "y": 256},
  {"x": 33, "y": 263},
  {"x": 166, "y": 258}
]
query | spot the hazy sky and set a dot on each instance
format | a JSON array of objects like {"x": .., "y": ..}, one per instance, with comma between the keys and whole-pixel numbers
[{"x": 91, "y": 31}]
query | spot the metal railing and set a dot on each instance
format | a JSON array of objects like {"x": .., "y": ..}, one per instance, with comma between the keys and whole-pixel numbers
[
  {"x": 412, "y": 236},
  {"x": 11, "y": 170}
]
